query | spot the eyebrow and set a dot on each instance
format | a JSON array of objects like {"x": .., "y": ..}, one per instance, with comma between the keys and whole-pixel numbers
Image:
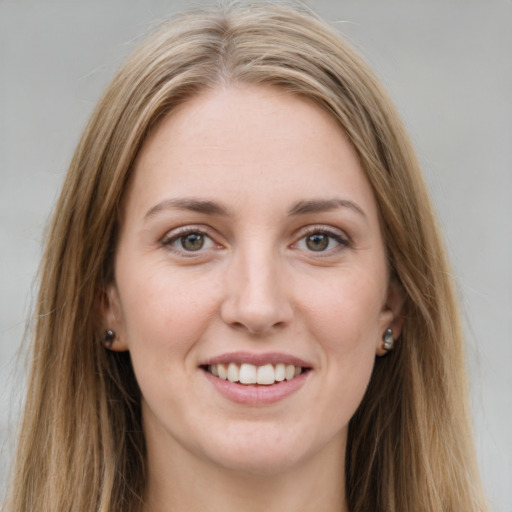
[
  {"x": 323, "y": 205},
  {"x": 191, "y": 204},
  {"x": 213, "y": 208}
]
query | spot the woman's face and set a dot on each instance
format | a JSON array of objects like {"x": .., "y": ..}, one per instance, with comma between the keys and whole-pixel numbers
[{"x": 250, "y": 245}]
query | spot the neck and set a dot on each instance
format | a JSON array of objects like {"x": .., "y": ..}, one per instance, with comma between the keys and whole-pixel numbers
[{"x": 185, "y": 483}]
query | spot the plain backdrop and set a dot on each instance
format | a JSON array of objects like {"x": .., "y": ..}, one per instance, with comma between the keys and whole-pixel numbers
[{"x": 448, "y": 66}]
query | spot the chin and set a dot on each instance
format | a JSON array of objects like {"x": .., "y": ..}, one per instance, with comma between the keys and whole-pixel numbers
[
  {"x": 257, "y": 462},
  {"x": 266, "y": 450}
]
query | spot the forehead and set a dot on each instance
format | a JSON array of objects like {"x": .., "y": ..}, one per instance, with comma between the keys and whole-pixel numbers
[{"x": 254, "y": 144}]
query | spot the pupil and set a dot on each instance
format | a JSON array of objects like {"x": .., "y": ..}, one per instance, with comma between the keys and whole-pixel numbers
[
  {"x": 317, "y": 242},
  {"x": 192, "y": 242}
]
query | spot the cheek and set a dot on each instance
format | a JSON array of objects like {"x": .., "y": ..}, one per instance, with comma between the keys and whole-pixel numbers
[
  {"x": 344, "y": 319},
  {"x": 164, "y": 318},
  {"x": 164, "y": 311},
  {"x": 346, "y": 312}
]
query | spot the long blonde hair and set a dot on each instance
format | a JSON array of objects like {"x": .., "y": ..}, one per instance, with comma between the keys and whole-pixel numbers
[{"x": 81, "y": 445}]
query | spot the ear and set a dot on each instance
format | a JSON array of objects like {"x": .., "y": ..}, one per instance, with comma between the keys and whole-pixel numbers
[
  {"x": 392, "y": 314},
  {"x": 112, "y": 318}
]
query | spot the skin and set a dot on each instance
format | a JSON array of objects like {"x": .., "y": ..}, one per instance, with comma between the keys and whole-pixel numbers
[{"x": 255, "y": 286}]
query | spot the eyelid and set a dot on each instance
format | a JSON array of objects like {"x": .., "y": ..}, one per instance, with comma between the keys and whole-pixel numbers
[
  {"x": 182, "y": 231},
  {"x": 341, "y": 237},
  {"x": 175, "y": 234}
]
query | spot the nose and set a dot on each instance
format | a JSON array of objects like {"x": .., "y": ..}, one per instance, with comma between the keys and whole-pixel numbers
[{"x": 256, "y": 298}]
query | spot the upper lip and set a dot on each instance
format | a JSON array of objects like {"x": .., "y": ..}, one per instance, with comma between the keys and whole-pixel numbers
[{"x": 257, "y": 359}]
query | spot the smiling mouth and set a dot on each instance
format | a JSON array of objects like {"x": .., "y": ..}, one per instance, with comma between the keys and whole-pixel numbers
[{"x": 249, "y": 374}]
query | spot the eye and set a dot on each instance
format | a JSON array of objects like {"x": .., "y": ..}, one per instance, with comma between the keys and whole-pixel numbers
[
  {"x": 321, "y": 240},
  {"x": 317, "y": 242},
  {"x": 188, "y": 241}
]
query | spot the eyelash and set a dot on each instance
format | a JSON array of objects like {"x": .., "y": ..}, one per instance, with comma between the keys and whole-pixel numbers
[
  {"x": 170, "y": 239},
  {"x": 173, "y": 237},
  {"x": 341, "y": 240}
]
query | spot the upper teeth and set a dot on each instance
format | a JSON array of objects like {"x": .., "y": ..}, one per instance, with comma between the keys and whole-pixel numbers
[{"x": 250, "y": 374}]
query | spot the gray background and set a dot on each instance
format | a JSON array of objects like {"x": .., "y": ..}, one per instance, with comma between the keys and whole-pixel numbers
[{"x": 448, "y": 65}]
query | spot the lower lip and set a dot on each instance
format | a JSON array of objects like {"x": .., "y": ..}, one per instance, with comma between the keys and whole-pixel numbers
[{"x": 254, "y": 394}]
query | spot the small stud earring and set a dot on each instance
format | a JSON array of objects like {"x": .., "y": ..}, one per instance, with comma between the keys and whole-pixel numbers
[
  {"x": 109, "y": 338},
  {"x": 389, "y": 340}
]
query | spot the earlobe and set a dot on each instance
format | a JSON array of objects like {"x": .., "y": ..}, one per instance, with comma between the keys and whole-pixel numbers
[
  {"x": 109, "y": 339},
  {"x": 391, "y": 318},
  {"x": 113, "y": 336}
]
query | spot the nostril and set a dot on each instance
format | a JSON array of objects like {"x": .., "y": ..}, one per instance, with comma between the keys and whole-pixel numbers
[{"x": 255, "y": 328}]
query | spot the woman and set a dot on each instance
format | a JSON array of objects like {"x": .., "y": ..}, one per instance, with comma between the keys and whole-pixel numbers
[{"x": 244, "y": 298}]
